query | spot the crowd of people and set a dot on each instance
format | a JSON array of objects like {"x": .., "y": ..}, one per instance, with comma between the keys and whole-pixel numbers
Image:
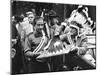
[{"x": 29, "y": 29}]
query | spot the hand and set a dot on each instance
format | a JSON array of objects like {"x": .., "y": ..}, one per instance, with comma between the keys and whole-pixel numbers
[
  {"x": 58, "y": 45},
  {"x": 36, "y": 54},
  {"x": 82, "y": 51},
  {"x": 74, "y": 48}
]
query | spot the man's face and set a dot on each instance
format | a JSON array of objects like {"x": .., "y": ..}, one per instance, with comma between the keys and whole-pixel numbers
[
  {"x": 31, "y": 18},
  {"x": 73, "y": 31},
  {"x": 39, "y": 24}
]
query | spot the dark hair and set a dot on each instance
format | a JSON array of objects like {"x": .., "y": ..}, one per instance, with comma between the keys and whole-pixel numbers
[
  {"x": 80, "y": 9},
  {"x": 36, "y": 19},
  {"x": 19, "y": 18}
]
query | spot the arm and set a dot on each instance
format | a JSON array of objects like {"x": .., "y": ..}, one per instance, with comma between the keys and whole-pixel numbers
[
  {"x": 31, "y": 54},
  {"x": 27, "y": 49}
]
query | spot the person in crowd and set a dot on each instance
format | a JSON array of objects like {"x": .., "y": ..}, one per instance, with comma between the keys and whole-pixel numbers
[
  {"x": 14, "y": 36},
  {"x": 28, "y": 22},
  {"x": 79, "y": 18},
  {"x": 85, "y": 29},
  {"x": 25, "y": 27},
  {"x": 55, "y": 31},
  {"x": 54, "y": 23},
  {"x": 32, "y": 42},
  {"x": 16, "y": 52}
]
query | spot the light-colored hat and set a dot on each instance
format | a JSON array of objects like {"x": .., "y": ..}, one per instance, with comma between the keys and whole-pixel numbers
[
  {"x": 64, "y": 24},
  {"x": 29, "y": 12}
]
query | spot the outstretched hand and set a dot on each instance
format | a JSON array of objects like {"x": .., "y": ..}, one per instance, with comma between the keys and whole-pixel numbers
[{"x": 36, "y": 54}]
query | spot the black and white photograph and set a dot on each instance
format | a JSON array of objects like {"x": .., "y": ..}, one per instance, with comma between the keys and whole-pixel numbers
[{"x": 52, "y": 37}]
